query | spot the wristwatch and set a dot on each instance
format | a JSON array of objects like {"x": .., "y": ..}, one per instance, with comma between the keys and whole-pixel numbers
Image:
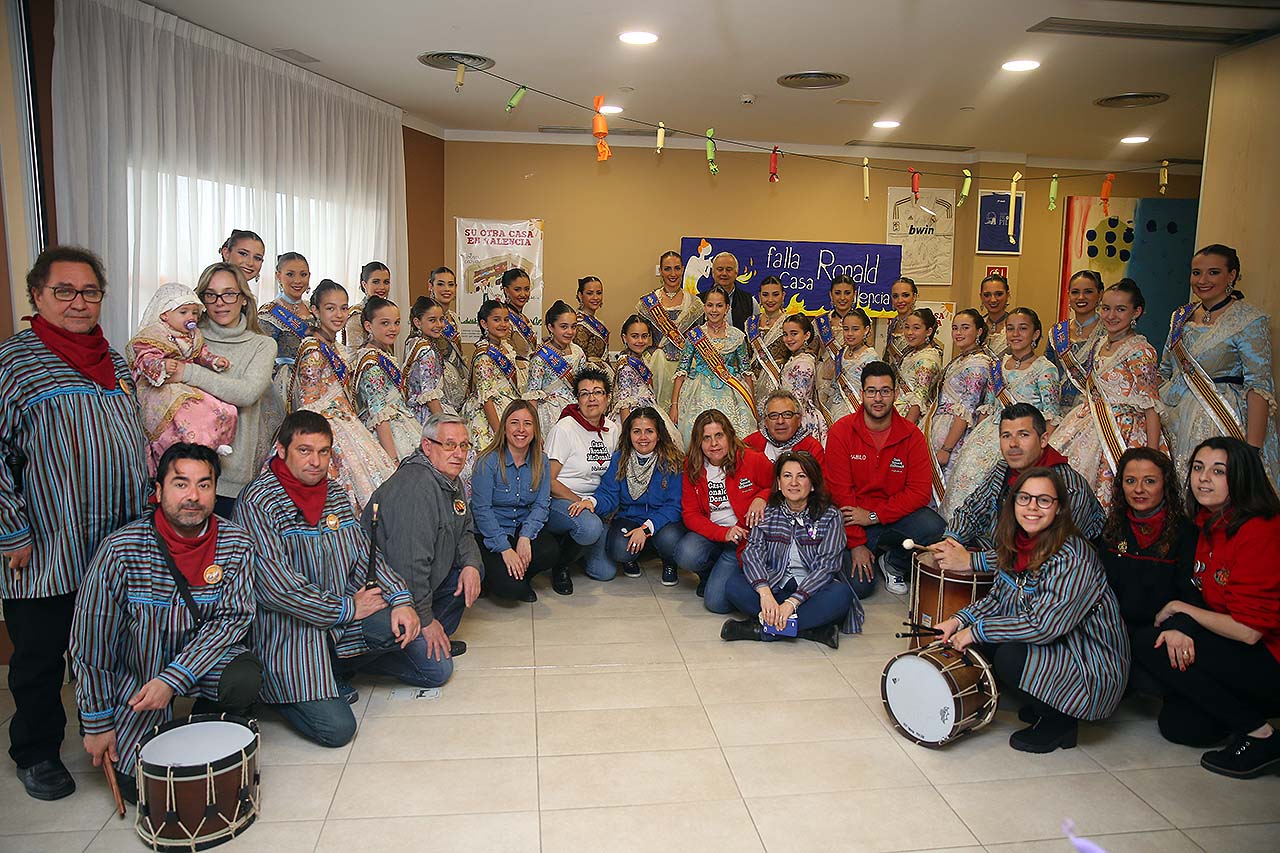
[{"x": 875, "y": 519}]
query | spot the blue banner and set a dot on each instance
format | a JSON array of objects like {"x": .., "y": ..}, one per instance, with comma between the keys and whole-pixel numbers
[{"x": 805, "y": 268}]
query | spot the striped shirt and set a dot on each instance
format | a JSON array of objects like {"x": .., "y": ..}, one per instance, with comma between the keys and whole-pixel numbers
[
  {"x": 1077, "y": 645},
  {"x": 765, "y": 560},
  {"x": 85, "y": 470},
  {"x": 131, "y": 625},
  {"x": 305, "y": 580}
]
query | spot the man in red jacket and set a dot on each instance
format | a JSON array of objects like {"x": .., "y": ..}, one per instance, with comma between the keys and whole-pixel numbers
[
  {"x": 782, "y": 421},
  {"x": 877, "y": 471}
]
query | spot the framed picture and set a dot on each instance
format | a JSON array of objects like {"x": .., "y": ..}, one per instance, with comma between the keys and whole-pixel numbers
[{"x": 993, "y": 223}]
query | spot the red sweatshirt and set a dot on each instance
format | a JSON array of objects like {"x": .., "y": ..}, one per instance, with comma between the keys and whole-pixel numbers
[
  {"x": 752, "y": 478},
  {"x": 892, "y": 483},
  {"x": 1238, "y": 578},
  {"x": 808, "y": 444}
]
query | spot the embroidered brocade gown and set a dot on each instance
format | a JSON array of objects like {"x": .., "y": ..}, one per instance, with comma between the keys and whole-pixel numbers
[
  {"x": 631, "y": 391},
  {"x": 688, "y": 315},
  {"x": 799, "y": 376},
  {"x": 1080, "y": 347},
  {"x": 850, "y": 368},
  {"x": 379, "y": 400},
  {"x": 489, "y": 384},
  {"x": 964, "y": 389},
  {"x": 771, "y": 340},
  {"x": 917, "y": 380},
  {"x": 424, "y": 382},
  {"x": 703, "y": 390},
  {"x": 591, "y": 343},
  {"x": 548, "y": 390},
  {"x": 287, "y": 331}
]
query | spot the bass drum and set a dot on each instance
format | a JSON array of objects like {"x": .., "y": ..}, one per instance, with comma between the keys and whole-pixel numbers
[
  {"x": 937, "y": 694},
  {"x": 936, "y": 593}
]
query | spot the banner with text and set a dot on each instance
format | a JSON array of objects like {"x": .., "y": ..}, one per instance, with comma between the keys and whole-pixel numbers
[
  {"x": 805, "y": 268},
  {"x": 486, "y": 249}
]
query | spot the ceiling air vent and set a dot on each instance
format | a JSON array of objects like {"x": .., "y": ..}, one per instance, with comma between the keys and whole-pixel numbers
[
  {"x": 1129, "y": 100},
  {"x": 914, "y": 146},
  {"x": 813, "y": 80},
  {"x": 295, "y": 56},
  {"x": 625, "y": 131},
  {"x": 448, "y": 60},
  {"x": 1153, "y": 32}
]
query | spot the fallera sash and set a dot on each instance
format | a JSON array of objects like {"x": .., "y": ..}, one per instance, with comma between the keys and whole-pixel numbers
[
  {"x": 998, "y": 386},
  {"x": 715, "y": 361},
  {"x": 642, "y": 370},
  {"x": 594, "y": 326},
  {"x": 558, "y": 363},
  {"x": 1104, "y": 419},
  {"x": 504, "y": 364},
  {"x": 1222, "y": 414},
  {"x": 656, "y": 314},
  {"x": 756, "y": 339},
  {"x": 290, "y": 320},
  {"x": 524, "y": 327}
]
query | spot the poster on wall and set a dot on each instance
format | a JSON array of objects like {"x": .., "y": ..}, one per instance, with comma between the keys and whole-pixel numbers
[
  {"x": 486, "y": 249},
  {"x": 805, "y": 268},
  {"x": 925, "y": 230},
  {"x": 993, "y": 224},
  {"x": 1150, "y": 240}
]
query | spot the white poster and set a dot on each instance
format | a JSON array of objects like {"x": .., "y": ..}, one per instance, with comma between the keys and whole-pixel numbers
[
  {"x": 486, "y": 249},
  {"x": 925, "y": 230}
]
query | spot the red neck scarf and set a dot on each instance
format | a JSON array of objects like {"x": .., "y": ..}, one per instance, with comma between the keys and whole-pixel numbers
[
  {"x": 1024, "y": 545},
  {"x": 308, "y": 499},
  {"x": 1147, "y": 530},
  {"x": 1048, "y": 458},
  {"x": 572, "y": 411},
  {"x": 87, "y": 354},
  {"x": 191, "y": 556}
]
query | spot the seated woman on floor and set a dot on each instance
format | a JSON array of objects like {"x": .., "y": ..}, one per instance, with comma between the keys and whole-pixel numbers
[
  {"x": 1219, "y": 664},
  {"x": 1050, "y": 626},
  {"x": 792, "y": 565}
]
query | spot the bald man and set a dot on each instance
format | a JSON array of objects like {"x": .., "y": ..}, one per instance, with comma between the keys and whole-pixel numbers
[{"x": 742, "y": 305}]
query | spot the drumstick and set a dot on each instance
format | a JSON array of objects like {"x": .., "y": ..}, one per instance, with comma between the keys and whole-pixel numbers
[
  {"x": 910, "y": 545},
  {"x": 916, "y": 626},
  {"x": 109, "y": 769}
]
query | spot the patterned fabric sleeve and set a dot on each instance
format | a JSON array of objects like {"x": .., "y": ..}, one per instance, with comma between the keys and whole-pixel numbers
[
  {"x": 627, "y": 387},
  {"x": 1048, "y": 390},
  {"x": 488, "y": 378},
  {"x": 99, "y": 614},
  {"x": 225, "y": 625},
  {"x": 1067, "y": 587},
  {"x": 148, "y": 362},
  {"x": 540, "y": 377},
  {"x": 686, "y": 360},
  {"x": 373, "y": 396},
  {"x": 741, "y": 359},
  {"x": 1143, "y": 376},
  {"x": 798, "y": 377},
  {"x": 923, "y": 373},
  {"x": 205, "y": 357},
  {"x": 424, "y": 379},
  {"x": 311, "y": 375},
  {"x": 968, "y": 390},
  {"x": 15, "y": 529},
  {"x": 1254, "y": 346}
]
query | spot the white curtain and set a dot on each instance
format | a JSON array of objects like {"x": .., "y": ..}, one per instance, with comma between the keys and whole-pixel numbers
[{"x": 167, "y": 136}]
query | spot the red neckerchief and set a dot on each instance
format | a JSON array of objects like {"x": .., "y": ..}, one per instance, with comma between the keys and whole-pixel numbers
[
  {"x": 1147, "y": 530},
  {"x": 87, "y": 353},
  {"x": 1024, "y": 545},
  {"x": 1048, "y": 458},
  {"x": 191, "y": 556},
  {"x": 309, "y": 499},
  {"x": 572, "y": 411}
]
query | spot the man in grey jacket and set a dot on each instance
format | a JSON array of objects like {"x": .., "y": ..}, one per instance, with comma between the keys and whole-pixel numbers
[{"x": 426, "y": 532}]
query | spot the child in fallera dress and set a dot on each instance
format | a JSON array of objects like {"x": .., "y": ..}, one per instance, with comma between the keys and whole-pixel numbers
[{"x": 172, "y": 410}]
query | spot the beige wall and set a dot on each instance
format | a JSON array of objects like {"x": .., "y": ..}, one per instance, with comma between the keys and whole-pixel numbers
[
  {"x": 1238, "y": 204},
  {"x": 614, "y": 219},
  {"x": 424, "y": 207}
]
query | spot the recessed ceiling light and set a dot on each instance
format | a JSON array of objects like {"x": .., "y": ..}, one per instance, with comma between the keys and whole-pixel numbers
[
  {"x": 1135, "y": 140},
  {"x": 887, "y": 124},
  {"x": 1021, "y": 65},
  {"x": 637, "y": 37},
  {"x": 610, "y": 110}
]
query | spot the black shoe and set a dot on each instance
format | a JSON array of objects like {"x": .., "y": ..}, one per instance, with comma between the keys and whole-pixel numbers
[
  {"x": 349, "y": 693},
  {"x": 828, "y": 635},
  {"x": 670, "y": 575},
  {"x": 632, "y": 570},
  {"x": 702, "y": 586},
  {"x": 48, "y": 780},
  {"x": 741, "y": 629},
  {"x": 1028, "y": 714},
  {"x": 560, "y": 580},
  {"x": 1046, "y": 735},
  {"x": 1244, "y": 758},
  {"x": 457, "y": 647},
  {"x": 529, "y": 596}
]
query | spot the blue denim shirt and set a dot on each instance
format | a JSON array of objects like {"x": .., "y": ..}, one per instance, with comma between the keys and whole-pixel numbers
[{"x": 512, "y": 508}]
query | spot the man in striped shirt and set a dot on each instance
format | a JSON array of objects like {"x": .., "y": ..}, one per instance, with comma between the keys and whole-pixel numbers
[
  {"x": 314, "y": 612},
  {"x": 164, "y": 611},
  {"x": 73, "y": 470}
]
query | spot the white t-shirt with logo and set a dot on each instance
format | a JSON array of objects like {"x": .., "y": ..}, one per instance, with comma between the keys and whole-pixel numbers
[
  {"x": 721, "y": 510},
  {"x": 583, "y": 455}
]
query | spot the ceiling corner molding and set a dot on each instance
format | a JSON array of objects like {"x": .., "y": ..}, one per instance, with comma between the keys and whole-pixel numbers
[{"x": 421, "y": 124}]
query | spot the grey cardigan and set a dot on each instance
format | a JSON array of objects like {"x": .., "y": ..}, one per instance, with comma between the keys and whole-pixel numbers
[{"x": 247, "y": 386}]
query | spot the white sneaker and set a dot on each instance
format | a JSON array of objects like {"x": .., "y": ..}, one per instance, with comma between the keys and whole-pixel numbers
[{"x": 893, "y": 582}]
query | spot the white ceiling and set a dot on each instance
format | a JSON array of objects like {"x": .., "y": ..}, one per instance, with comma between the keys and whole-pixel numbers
[{"x": 922, "y": 59}]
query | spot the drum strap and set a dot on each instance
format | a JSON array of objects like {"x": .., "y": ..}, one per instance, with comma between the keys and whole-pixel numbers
[{"x": 184, "y": 588}]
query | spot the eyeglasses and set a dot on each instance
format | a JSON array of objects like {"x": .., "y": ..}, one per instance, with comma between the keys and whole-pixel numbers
[
  {"x": 64, "y": 293},
  {"x": 450, "y": 446},
  {"x": 778, "y": 416},
  {"x": 877, "y": 392},
  {"x": 231, "y": 297},
  {"x": 587, "y": 395},
  {"x": 1042, "y": 501}
]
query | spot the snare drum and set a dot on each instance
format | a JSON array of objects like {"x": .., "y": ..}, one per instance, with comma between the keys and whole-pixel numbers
[
  {"x": 197, "y": 782},
  {"x": 938, "y": 693},
  {"x": 937, "y": 594}
]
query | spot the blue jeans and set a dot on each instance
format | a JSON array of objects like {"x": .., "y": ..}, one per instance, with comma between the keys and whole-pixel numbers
[
  {"x": 861, "y": 588},
  {"x": 825, "y": 607},
  {"x": 588, "y": 531},
  {"x": 664, "y": 541},
  {"x": 924, "y": 526},
  {"x": 714, "y": 562},
  {"x": 328, "y": 722}
]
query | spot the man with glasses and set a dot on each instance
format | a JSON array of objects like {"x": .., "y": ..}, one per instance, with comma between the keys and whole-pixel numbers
[
  {"x": 878, "y": 473},
  {"x": 321, "y": 612},
  {"x": 782, "y": 429},
  {"x": 970, "y": 536},
  {"x": 74, "y": 470},
  {"x": 427, "y": 533}
]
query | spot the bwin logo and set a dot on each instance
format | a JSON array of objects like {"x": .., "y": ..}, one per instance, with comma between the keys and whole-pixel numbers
[{"x": 920, "y": 229}]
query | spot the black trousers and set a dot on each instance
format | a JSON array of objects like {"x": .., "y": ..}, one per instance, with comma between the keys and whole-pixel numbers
[
  {"x": 499, "y": 583},
  {"x": 1008, "y": 660},
  {"x": 1231, "y": 688},
  {"x": 40, "y": 629}
]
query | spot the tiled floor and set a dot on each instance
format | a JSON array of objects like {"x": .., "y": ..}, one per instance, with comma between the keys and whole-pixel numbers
[{"x": 617, "y": 720}]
